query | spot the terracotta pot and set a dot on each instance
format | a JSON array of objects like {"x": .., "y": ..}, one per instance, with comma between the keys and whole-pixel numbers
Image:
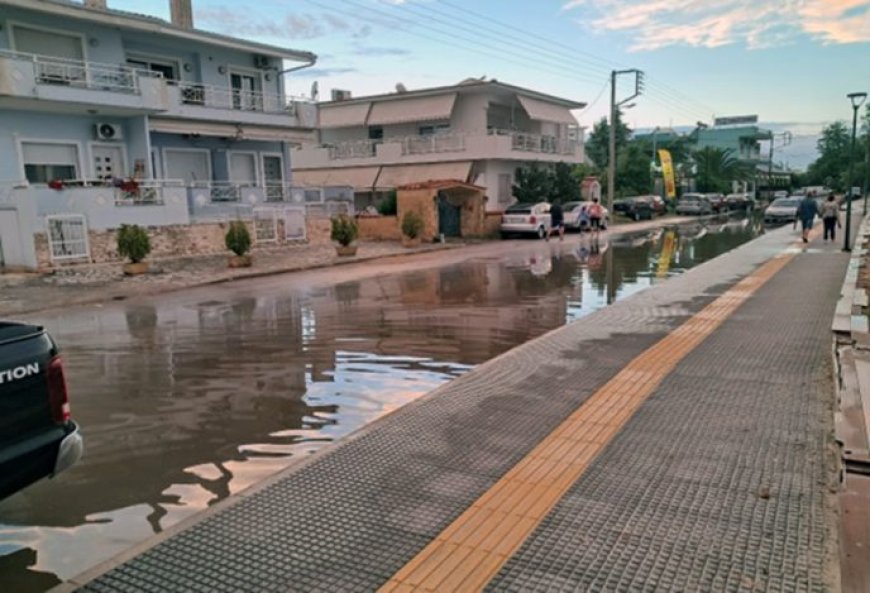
[
  {"x": 345, "y": 250},
  {"x": 136, "y": 269},
  {"x": 240, "y": 261},
  {"x": 409, "y": 242}
]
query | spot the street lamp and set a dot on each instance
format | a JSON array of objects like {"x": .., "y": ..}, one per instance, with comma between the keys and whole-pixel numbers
[{"x": 857, "y": 100}]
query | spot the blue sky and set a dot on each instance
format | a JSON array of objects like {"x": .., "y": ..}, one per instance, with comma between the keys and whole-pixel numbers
[{"x": 789, "y": 61}]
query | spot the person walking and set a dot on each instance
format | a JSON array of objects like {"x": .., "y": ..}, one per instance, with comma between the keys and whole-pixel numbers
[
  {"x": 557, "y": 221},
  {"x": 596, "y": 213},
  {"x": 831, "y": 217},
  {"x": 806, "y": 213}
]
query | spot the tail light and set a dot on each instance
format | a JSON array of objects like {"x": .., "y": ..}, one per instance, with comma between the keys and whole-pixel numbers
[
  {"x": 532, "y": 220},
  {"x": 57, "y": 393}
]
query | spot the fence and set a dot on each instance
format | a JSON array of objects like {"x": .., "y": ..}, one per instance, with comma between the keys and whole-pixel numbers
[{"x": 265, "y": 225}]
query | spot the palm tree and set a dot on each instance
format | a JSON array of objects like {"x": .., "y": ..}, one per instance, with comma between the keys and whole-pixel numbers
[{"x": 717, "y": 168}]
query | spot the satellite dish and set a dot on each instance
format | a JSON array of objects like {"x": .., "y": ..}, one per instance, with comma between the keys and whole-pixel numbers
[
  {"x": 401, "y": 88},
  {"x": 315, "y": 91}
]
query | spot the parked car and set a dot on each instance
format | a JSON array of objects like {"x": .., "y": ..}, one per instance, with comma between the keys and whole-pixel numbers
[
  {"x": 693, "y": 203},
  {"x": 782, "y": 210},
  {"x": 717, "y": 202},
  {"x": 636, "y": 207},
  {"x": 526, "y": 219},
  {"x": 738, "y": 201},
  {"x": 658, "y": 204},
  {"x": 780, "y": 193},
  {"x": 574, "y": 219},
  {"x": 37, "y": 436}
]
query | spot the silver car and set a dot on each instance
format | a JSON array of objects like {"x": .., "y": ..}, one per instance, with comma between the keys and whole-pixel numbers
[
  {"x": 694, "y": 204},
  {"x": 526, "y": 219},
  {"x": 576, "y": 218},
  {"x": 782, "y": 210}
]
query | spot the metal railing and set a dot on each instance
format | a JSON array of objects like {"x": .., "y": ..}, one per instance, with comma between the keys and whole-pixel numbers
[
  {"x": 433, "y": 143},
  {"x": 144, "y": 192},
  {"x": 353, "y": 149},
  {"x": 206, "y": 95},
  {"x": 527, "y": 142},
  {"x": 80, "y": 74}
]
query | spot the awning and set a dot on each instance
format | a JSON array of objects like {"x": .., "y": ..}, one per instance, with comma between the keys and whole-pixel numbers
[
  {"x": 239, "y": 132},
  {"x": 542, "y": 111},
  {"x": 361, "y": 178},
  {"x": 344, "y": 116},
  {"x": 397, "y": 111},
  {"x": 398, "y": 175}
]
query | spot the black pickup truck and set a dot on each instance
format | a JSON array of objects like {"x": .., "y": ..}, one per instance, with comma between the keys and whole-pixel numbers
[{"x": 37, "y": 436}]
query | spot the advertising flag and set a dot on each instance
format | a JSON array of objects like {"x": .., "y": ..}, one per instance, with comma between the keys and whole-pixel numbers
[{"x": 668, "y": 173}]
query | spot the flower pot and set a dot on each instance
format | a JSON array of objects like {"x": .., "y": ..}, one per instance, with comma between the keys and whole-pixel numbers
[
  {"x": 136, "y": 269},
  {"x": 409, "y": 242},
  {"x": 345, "y": 250},
  {"x": 240, "y": 261}
]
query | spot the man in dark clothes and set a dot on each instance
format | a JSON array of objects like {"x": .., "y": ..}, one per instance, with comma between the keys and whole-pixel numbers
[{"x": 557, "y": 221}]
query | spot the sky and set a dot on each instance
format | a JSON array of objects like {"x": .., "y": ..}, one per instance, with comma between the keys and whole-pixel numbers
[{"x": 791, "y": 62}]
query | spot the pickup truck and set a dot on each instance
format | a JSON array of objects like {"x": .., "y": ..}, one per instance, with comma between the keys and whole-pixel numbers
[{"x": 37, "y": 436}]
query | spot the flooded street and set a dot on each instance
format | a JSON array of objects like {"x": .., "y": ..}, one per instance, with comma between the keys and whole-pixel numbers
[{"x": 187, "y": 398}]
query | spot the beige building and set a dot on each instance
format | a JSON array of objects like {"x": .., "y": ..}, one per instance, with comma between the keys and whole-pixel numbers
[{"x": 478, "y": 131}]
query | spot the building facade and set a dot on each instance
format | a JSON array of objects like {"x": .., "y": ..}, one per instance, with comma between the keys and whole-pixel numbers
[
  {"x": 478, "y": 132},
  {"x": 110, "y": 117}
]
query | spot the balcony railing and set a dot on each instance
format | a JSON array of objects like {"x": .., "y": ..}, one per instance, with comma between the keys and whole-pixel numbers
[
  {"x": 87, "y": 75},
  {"x": 526, "y": 142},
  {"x": 354, "y": 149},
  {"x": 433, "y": 143},
  {"x": 215, "y": 97}
]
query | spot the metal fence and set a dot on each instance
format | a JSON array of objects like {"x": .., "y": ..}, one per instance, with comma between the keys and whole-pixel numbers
[
  {"x": 67, "y": 237},
  {"x": 265, "y": 225}
]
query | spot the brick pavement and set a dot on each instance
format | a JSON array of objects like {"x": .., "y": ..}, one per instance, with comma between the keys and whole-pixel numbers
[{"x": 719, "y": 483}]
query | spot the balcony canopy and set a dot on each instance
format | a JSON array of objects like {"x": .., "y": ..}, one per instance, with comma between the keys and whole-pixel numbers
[
  {"x": 360, "y": 178},
  {"x": 399, "y": 175},
  {"x": 223, "y": 130},
  {"x": 398, "y": 111},
  {"x": 542, "y": 111},
  {"x": 344, "y": 116}
]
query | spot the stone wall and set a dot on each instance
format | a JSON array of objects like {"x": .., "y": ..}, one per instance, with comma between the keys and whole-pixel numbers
[
  {"x": 421, "y": 201},
  {"x": 379, "y": 228},
  {"x": 491, "y": 224},
  {"x": 319, "y": 229}
]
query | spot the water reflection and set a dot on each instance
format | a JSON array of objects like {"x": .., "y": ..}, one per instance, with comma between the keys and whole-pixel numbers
[{"x": 185, "y": 403}]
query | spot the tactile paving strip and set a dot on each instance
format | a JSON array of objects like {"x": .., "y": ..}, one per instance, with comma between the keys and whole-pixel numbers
[{"x": 355, "y": 514}]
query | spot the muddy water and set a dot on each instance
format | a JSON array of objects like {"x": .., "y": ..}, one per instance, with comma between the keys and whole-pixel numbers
[{"x": 187, "y": 399}]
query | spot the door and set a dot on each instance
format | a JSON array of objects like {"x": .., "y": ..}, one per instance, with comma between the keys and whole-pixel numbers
[
  {"x": 243, "y": 168},
  {"x": 189, "y": 166},
  {"x": 448, "y": 218},
  {"x": 108, "y": 161},
  {"x": 273, "y": 177},
  {"x": 245, "y": 91}
]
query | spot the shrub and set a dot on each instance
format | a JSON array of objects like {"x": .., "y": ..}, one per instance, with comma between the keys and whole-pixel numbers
[
  {"x": 238, "y": 239},
  {"x": 344, "y": 230},
  {"x": 412, "y": 225},
  {"x": 389, "y": 205},
  {"x": 133, "y": 242}
]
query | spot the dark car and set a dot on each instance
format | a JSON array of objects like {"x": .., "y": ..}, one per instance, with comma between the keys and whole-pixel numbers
[
  {"x": 636, "y": 208},
  {"x": 717, "y": 202},
  {"x": 37, "y": 436}
]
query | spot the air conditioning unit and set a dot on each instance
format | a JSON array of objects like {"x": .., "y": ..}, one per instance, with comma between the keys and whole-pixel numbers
[
  {"x": 106, "y": 131},
  {"x": 261, "y": 61},
  {"x": 340, "y": 95}
]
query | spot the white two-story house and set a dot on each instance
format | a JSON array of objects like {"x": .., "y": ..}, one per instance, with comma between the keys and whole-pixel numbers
[
  {"x": 478, "y": 131},
  {"x": 122, "y": 117}
]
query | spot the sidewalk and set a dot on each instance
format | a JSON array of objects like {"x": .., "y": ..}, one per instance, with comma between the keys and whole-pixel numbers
[
  {"x": 678, "y": 440},
  {"x": 86, "y": 284}
]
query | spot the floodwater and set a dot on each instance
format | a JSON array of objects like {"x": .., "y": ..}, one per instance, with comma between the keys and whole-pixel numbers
[{"x": 188, "y": 398}]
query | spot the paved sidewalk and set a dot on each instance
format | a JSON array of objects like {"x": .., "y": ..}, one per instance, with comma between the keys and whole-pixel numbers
[
  {"x": 721, "y": 481},
  {"x": 87, "y": 284}
]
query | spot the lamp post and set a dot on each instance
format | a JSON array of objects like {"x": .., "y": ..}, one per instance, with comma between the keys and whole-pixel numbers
[
  {"x": 614, "y": 108},
  {"x": 857, "y": 100}
]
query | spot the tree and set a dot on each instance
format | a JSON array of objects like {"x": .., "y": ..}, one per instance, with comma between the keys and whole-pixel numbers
[
  {"x": 717, "y": 168},
  {"x": 533, "y": 185},
  {"x": 598, "y": 143},
  {"x": 566, "y": 187},
  {"x": 831, "y": 168},
  {"x": 632, "y": 169}
]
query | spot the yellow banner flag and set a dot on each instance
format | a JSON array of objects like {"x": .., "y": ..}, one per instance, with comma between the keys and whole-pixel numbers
[{"x": 668, "y": 173}]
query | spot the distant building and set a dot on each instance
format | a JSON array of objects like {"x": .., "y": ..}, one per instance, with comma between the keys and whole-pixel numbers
[{"x": 478, "y": 131}]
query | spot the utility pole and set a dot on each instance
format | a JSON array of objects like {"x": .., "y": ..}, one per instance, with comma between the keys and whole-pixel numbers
[
  {"x": 614, "y": 106},
  {"x": 866, "y": 168}
]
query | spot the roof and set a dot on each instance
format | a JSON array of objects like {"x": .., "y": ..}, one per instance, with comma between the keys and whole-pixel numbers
[
  {"x": 570, "y": 104},
  {"x": 441, "y": 184},
  {"x": 151, "y": 24}
]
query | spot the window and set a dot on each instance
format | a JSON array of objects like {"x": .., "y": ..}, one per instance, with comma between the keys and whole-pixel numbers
[
  {"x": 246, "y": 91},
  {"x": 376, "y": 133},
  {"x": 44, "y": 162},
  {"x": 166, "y": 68},
  {"x": 47, "y": 43},
  {"x": 434, "y": 129},
  {"x": 505, "y": 193}
]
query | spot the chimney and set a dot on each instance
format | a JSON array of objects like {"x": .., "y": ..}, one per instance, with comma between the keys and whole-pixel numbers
[
  {"x": 101, "y": 4},
  {"x": 182, "y": 13}
]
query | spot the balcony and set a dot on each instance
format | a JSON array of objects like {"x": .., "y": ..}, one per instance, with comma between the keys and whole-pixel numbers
[
  {"x": 202, "y": 101},
  {"x": 81, "y": 83},
  {"x": 495, "y": 144}
]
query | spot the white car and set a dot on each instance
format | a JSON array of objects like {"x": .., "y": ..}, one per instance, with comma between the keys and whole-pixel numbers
[
  {"x": 526, "y": 219},
  {"x": 782, "y": 210},
  {"x": 575, "y": 219}
]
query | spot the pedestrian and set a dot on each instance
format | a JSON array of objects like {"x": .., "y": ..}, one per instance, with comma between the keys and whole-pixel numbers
[
  {"x": 806, "y": 212},
  {"x": 584, "y": 218},
  {"x": 831, "y": 217},
  {"x": 596, "y": 213},
  {"x": 557, "y": 221}
]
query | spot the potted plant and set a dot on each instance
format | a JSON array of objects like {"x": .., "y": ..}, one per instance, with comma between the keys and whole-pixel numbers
[
  {"x": 344, "y": 232},
  {"x": 412, "y": 228},
  {"x": 238, "y": 240},
  {"x": 133, "y": 243}
]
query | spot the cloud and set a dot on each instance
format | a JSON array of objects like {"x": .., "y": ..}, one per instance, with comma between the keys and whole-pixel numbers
[
  {"x": 712, "y": 23},
  {"x": 322, "y": 72},
  {"x": 381, "y": 51},
  {"x": 291, "y": 26}
]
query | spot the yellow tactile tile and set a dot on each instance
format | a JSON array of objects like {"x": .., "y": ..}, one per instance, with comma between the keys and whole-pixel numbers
[{"x": 470, "y": 551}]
